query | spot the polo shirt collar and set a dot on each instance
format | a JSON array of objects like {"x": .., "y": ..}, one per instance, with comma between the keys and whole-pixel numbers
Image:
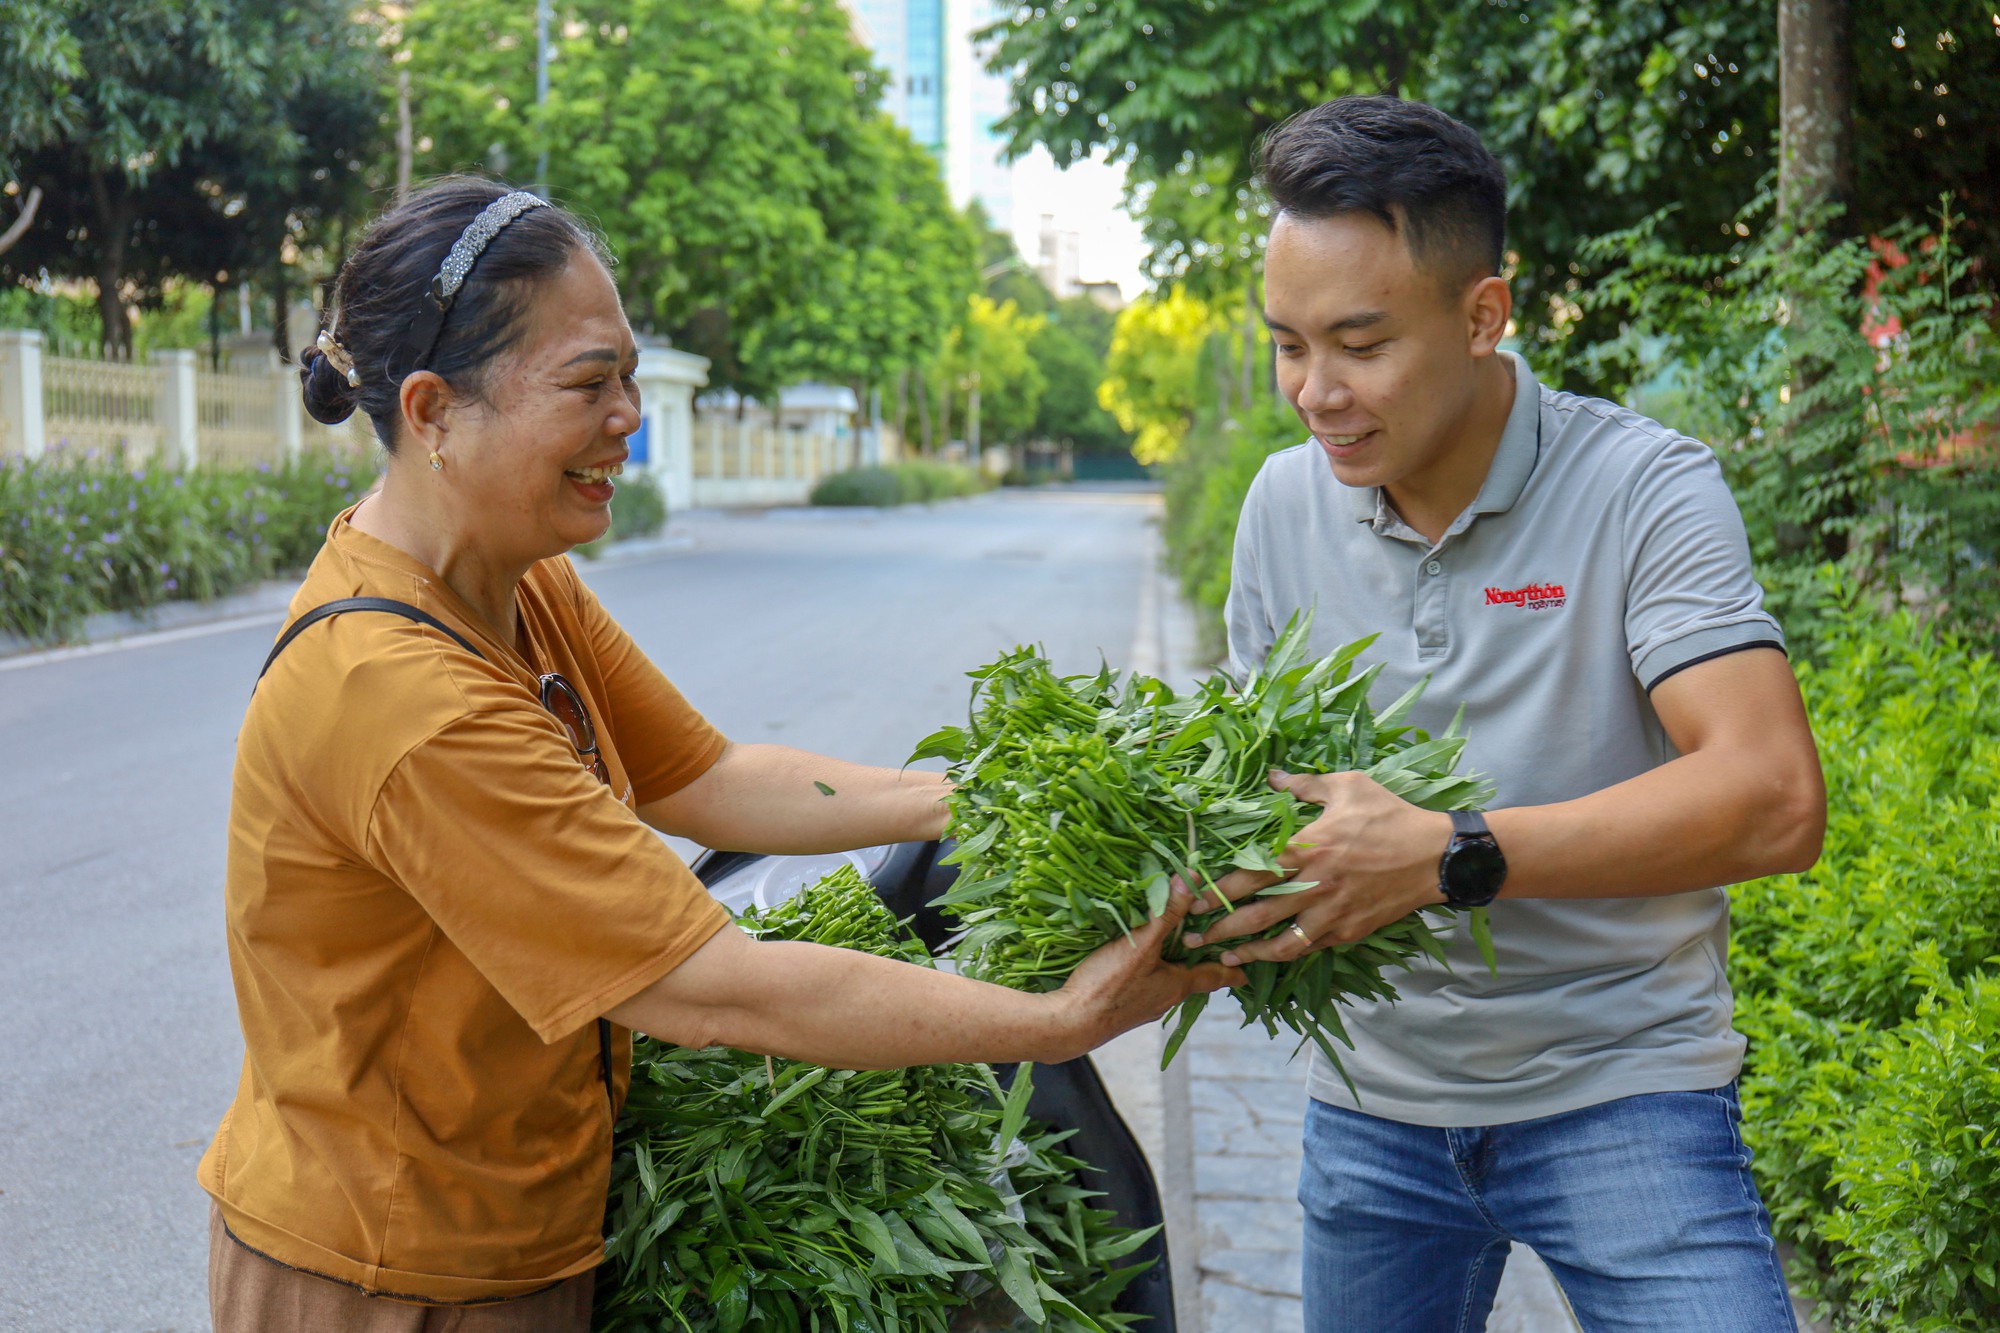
[{"x": 1513, "y": 462}]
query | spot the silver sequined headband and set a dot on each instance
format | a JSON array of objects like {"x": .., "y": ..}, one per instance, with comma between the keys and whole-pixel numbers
[{"x": 465, "y": 252}]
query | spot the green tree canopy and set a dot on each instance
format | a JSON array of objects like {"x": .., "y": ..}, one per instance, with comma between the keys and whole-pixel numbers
[
  {"x": 766, "y": 214},
  {"x": 1603, "y": 112},
  {"x": 185, "y": 139},
  {"x": 1070, "y": 351},
  {"x": 1152, "y": 379},
  {"x": 989, "y": 353}
]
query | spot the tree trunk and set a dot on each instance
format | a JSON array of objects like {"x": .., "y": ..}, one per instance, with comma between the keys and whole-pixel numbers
[
  {"x": 924, "y": 412},
  {"x": 1815, "y": 106},
  {"x": 1252, "y": 316},
  {"x": 110, "y": 208},
  {"x": 215, "y": 326},
  {"x": 1815, "y": 174},
  {"x": 902, "y": 406},
  {"x": 25, "y": 221},
  {"x": 403, "y": 139},
  {"x": 281, "y": 312},
  {"x": 1215, "y": 351}
]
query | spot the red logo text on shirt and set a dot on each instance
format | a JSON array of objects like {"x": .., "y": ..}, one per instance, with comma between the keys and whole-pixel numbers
[{"x": 1534, "y": 597}]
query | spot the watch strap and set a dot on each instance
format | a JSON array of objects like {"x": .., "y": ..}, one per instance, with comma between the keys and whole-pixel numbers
[{"x": 1468, "y": 822}]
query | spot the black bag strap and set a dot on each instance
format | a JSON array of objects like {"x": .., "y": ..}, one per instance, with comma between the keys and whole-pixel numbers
[
  {"x": 344, "y": 604},
  {"x": 395, "y": 608}
]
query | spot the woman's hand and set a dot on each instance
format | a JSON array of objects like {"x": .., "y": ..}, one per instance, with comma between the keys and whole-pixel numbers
[{"x": 1126, "y": 983}]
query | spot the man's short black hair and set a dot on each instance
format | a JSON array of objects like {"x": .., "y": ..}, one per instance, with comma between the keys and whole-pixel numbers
[{"x": 1422, "y": 173}]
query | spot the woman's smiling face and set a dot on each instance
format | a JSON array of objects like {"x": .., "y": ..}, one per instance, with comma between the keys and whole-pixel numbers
[{"x": 532, "y": 457}]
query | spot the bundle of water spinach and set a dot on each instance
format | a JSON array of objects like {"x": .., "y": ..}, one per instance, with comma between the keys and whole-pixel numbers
[
  {"x": 772, "y": 1195},
  {"x": 1078, "y": 797}
]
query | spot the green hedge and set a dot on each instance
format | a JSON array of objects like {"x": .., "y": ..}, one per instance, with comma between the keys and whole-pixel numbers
[
  {"x": 1870, "y": 988},
  {"x": 638, "y": 511},
  {"x": 83, "y": 533},
  {"x": 913, "y": 481},
  {"x": 1205, "y": 487}
]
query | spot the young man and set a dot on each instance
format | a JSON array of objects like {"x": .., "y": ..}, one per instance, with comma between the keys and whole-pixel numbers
[{"x": 1579, "y": 576}]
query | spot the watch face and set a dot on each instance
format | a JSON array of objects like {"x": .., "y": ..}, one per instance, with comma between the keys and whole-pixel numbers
[{"x": 1474, "y": 871}]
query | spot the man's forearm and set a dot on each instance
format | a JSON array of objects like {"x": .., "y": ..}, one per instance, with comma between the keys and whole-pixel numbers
[
  {"x": 1744, "y": 799},
  {"x": 772, "y": 798},
  {"x": 1702, "y": 820}
]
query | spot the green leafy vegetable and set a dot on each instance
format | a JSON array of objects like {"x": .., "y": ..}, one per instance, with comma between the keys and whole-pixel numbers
[
  {"x": 1079, "y": 796},
  {"x": 751, "y": 1193}
]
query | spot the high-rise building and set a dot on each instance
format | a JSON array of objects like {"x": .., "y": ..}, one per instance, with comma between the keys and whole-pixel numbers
[
  {"x": 908, "y": 38},
  {"x": 940, "y": 91},
  {"x": 976, "y": 167}
]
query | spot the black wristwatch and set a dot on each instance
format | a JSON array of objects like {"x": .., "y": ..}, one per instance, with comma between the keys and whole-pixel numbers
[{"x": 1472, "y": 869}]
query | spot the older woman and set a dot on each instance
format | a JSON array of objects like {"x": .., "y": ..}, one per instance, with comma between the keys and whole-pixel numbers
[{"x": 444, "y": 885}]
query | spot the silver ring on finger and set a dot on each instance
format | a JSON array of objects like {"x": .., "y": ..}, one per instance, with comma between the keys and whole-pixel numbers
[{"x": 1304, "y": 938}]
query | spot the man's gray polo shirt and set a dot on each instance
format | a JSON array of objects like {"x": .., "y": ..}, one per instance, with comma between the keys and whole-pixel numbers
[{"x": 1603, "y": 553}]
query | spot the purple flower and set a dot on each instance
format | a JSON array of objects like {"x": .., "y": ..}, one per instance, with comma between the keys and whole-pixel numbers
[{"x": 173, "y": 585}]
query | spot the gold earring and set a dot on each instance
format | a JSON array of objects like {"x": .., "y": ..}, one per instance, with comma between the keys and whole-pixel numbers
[{"x": 437, "y": 464}]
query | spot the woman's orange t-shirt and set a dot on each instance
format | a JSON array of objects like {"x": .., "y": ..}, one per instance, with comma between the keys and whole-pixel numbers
[{"x": 430, "y": 900}]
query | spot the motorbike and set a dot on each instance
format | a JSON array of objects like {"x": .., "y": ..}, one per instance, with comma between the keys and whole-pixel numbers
[{"x": 910, "y": 877}]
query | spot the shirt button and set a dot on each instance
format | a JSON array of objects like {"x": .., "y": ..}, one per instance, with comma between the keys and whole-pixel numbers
[{"x": 1434, "y": 568}]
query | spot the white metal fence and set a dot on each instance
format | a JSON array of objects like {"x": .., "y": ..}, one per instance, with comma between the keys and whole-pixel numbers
[
  {"x": 169, "y": 409},
  {"x": 173, "y": 410},
  {"x": 748, "y": 461}
]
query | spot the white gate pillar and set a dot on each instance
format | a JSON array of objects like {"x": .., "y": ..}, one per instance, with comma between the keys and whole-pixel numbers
[
  {"x": 21, "y": 425},
  {"x": 667, "y": 382},
  {"x": 179, "y": 423}
]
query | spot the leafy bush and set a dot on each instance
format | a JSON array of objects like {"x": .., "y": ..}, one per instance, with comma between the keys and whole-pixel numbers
[
  {"x": 638, "y": 507},
  {"x": 1919, "y": 1176},
  {"x": 878, "y": 486},
  {"x": 1205, "y": 487},
  {"x": 1835, "y": 968},
  {"x": 1850, "y": 387},
  {"x": 638, "y": 511},
  {"x": 913, "y": 481},
  {"x": 83, "y": 533}
]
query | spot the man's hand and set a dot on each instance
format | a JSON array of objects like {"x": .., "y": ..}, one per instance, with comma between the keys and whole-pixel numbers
[{"x": 1371, "y": 857}]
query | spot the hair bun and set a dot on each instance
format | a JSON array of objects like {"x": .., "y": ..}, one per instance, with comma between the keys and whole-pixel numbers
[{"x": 329, "y": 398}]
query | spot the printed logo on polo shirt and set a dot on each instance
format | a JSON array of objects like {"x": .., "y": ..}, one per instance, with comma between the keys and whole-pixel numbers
[{"x": 1534, "y": 597}]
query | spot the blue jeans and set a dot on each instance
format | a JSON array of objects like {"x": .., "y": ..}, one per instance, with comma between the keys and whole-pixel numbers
[{"x": 1643, "y": 1208}]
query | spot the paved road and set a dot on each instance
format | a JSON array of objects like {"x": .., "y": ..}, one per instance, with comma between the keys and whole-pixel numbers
[{"x": 841, "y": 632}]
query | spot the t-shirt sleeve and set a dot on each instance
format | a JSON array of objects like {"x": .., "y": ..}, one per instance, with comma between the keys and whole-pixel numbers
[
  {"x": 1690, "y": 593},
  {"x": 662, "y": 740},
  {"x": 552, "y": 888},
  {"x": 1247, "y": 611}
]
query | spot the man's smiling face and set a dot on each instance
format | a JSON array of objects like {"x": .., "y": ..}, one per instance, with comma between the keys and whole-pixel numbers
[{"x": 1377, "y": 354}]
